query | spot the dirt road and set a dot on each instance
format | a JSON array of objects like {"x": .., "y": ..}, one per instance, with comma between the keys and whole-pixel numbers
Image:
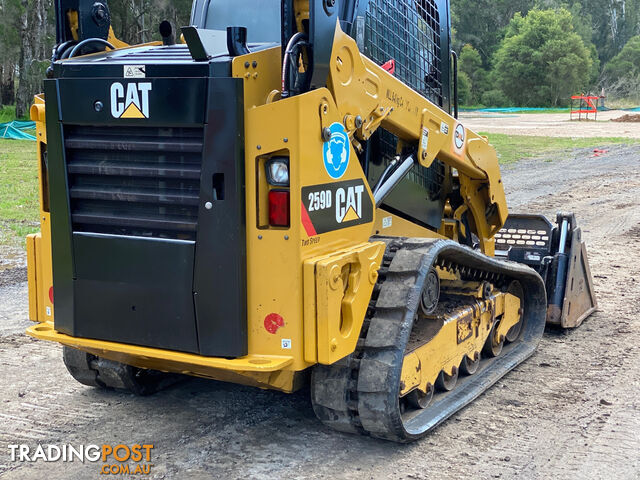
[
  {"x": 551, "y": 124},
  {"x": 571, "y": 411}
]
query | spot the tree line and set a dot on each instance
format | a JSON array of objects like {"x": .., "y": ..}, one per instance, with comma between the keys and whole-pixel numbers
[
  {"x": 540, "y": 52},
  {"x": 27, "y": 35},
  {"x": 512, "y": 52}
]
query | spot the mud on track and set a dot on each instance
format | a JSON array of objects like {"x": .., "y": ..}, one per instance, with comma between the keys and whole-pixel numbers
[{"x": 571, "y": 411}]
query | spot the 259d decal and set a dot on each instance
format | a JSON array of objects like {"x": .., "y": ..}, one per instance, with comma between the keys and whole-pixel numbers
[{"x": 333, "y": 206}]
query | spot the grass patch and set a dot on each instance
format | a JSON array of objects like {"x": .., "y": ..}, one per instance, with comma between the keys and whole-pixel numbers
[
  {"x": 7, "y": 114},
  {"x": 19, "y": 207},
  {"x": 512, "y": 148}
]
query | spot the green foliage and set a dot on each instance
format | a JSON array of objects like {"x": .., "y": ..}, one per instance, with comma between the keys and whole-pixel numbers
[
  {"x": 470, "y": 60},
  {"x": 137, "y": 22},
  {"x": 542, "y": 60},
  {"x": 464, "y": 89},
  {"x": 622, "y": 75},
  {"x": 7, "y": 114},
  {"x": 626, "y": 63},
  {"x": 481, "y": 23},
  {"x": 470, "y": 64},
  {"x": 495, "y": 98}
]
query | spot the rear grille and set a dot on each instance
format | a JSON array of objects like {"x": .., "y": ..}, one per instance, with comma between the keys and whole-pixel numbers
[{"x": 134, "y": 181}]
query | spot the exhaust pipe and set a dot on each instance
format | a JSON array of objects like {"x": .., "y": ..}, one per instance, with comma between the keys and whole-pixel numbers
[
  {"x": 167, "y": 33},
  {"x": 237, "y": 41}
]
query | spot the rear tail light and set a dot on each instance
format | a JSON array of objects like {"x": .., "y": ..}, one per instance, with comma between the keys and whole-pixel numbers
[{"x": 279, "y": 211}]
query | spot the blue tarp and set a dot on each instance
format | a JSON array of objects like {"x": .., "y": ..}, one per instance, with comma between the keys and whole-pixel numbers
[
  {"x": 532, "y": 109},
  {"x": 16, "y": 130}
]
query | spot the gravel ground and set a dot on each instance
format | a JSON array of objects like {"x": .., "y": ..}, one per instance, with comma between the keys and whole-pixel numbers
[{"x": 571, "y": 411}]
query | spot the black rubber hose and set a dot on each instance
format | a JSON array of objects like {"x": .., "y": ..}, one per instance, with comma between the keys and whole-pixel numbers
[
  {"x": 88, "y": 41},
  {"x": 60, "y": 49},
  {"x": 300, "y": 36}
]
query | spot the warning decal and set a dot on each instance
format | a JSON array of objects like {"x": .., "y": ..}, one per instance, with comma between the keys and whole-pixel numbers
[
  {"x": 333, "y": 206},
  {"x": 336, "y": 152},
  {"x": 459, "y": 139},
  {"x": 135, "y": 71}
]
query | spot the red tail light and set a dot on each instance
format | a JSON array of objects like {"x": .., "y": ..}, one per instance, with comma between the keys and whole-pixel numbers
[{"x": 279, "y": 208}]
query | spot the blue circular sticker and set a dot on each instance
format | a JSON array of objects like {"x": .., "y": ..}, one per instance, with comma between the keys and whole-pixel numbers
[{"x": 336, "y": 151}]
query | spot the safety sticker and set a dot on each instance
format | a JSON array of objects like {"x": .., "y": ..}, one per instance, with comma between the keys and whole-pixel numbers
[
  {"x": 425, "y": 139},
  {"x": 135, "y": 71},
  {"x": 387, "y": 222},
  {"x": 444, "y": 128},
  {"x": 286, "y": 343},
  {"x": 336, "y": 152},
  {"x": 459, "y": 137},
  {"x": 273, "y": 322},
  {"x": 333, "y": 206}
]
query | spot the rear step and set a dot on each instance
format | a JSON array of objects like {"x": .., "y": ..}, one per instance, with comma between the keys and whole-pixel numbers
[{"x": 559, "y": 255}]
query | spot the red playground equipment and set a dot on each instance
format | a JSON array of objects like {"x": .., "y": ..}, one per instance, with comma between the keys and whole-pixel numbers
[{"x": 587, "y": 105}]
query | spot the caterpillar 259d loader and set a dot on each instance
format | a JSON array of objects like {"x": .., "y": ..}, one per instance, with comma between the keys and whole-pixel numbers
[{"x": 284, "y": 197}]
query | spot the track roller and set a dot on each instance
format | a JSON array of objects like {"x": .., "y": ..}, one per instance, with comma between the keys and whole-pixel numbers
[
  {"x": 419, "y": 399},
  {"x": 469, "y": 366},
  {"x": 446, "y": 382},
  {"x": 493, "y": 346}
]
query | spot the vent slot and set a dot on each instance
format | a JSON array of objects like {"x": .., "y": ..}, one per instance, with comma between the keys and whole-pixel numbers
[{"x": 134, "y": 181}]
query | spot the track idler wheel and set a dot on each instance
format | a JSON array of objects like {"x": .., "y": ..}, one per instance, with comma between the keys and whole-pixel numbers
[
  {"x": 514, "y": 332},
  {"x": 430, "y": 293}
]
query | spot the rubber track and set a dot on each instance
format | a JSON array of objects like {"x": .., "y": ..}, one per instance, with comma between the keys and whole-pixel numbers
[
  {"x": 100, "y": 372},
  {"x": 359, "y": 394}
]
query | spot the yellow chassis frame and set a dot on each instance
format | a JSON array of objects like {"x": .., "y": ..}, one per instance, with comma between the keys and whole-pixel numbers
[{"x": 322, "y": 287}]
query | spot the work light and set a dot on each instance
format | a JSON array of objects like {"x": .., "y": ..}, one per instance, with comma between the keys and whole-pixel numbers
[{"x": 278, "y": 171}]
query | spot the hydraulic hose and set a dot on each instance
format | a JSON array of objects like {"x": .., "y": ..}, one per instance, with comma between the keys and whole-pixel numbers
[
  {"x": 287, "y": 58},
  {"x": 77, "y": 48}
]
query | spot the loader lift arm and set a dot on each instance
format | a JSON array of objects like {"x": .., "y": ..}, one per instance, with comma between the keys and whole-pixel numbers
[{"x": 368, "y": 97}]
